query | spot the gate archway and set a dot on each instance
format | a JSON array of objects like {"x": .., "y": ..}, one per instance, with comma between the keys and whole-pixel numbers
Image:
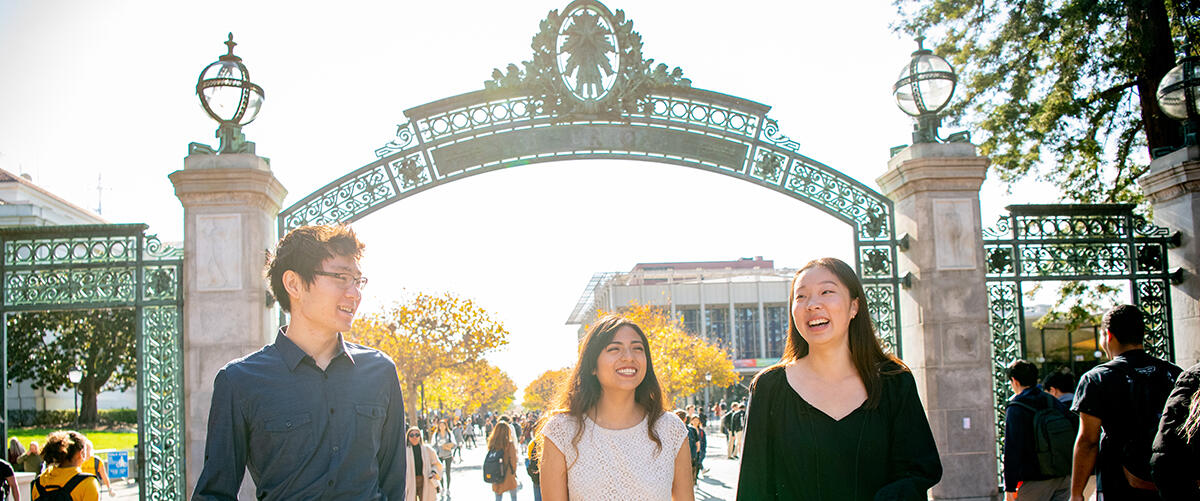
[{"x": 588, "y": 93}]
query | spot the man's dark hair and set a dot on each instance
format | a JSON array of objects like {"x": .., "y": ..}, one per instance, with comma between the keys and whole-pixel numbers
[
  {"x": 303, "y": 250},
  {"x": 1023, "y": 371},
  {"x": 1126, "y": 323},
  {"x": 1061, "y": 381}
]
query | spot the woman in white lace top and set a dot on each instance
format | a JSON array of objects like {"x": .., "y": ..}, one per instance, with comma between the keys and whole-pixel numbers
[{"x": 610, "y": 438}]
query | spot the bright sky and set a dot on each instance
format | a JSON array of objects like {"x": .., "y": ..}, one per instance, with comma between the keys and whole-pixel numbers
[{"x": 106, "y": 90}]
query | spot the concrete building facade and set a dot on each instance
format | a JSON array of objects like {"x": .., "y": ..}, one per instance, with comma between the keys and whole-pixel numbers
[{"x": 739, "y": 304}]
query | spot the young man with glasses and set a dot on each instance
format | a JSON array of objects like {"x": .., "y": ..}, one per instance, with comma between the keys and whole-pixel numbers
[{"x": 311, "y": 416}]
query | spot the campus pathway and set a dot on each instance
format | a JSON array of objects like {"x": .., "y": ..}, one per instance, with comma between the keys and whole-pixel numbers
[{"x": 719, "y": 484}]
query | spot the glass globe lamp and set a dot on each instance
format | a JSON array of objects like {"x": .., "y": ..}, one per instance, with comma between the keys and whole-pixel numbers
[
  {"x": 1179, "y": 96},
  {"x": 923, "y": 89},
  {"x": 230, "y": 98}
]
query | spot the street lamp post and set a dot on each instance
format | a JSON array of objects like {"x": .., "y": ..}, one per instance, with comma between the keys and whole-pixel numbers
[
  {"x": 1179, "y": 97},
  {"x": 707, "y": 386},
  {"x": 230, "y": 98},
  {"x": 75, "y": 376},
  {"x": 923, "y": 90}
]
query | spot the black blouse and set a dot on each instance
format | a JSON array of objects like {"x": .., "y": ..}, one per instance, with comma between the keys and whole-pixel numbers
[
  {"x": 793, "y": 450},
  {"x": 1175, "y": 463}
]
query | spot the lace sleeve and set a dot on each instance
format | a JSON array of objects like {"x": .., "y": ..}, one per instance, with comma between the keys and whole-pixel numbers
[
  {"x": 672, "y": 433},
  {"x": 560, "y": 429}
]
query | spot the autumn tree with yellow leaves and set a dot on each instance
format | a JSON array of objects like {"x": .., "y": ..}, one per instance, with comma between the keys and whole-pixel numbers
[
  {"x": 540, "y": 393},
  {"x": 427, "y": 334},
  {"x": 681, "y": 359},
  {"x": 473, "y": 387}
]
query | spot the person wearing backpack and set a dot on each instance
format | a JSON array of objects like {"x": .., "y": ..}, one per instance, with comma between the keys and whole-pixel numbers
[
  {"x": 500, "y": 464},
  {"x": 1039, "y": 435},
  {"x": 64, "y": 451},
  {"x": 1120, "y": 404},
  {"x": 532, "y": 468}
]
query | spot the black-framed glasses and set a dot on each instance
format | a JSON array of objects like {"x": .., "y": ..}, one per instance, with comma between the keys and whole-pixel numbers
[
  {"x": 414, "y": 435},
  {"x": 344, "y": 279}
]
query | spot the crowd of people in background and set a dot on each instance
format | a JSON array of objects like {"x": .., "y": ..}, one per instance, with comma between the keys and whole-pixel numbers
[{"x": 67, "y": 462}]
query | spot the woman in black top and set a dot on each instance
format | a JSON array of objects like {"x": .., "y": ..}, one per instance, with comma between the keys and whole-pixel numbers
[
  {"x": 1175, "y": 463},
  {"x": 837, "y": 419}
]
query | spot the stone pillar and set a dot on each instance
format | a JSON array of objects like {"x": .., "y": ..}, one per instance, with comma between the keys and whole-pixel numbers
[
  {"x": 945, "y": 336},
  {"x": 230, "y": 202},
  {"x": 1173, "y": 186}
]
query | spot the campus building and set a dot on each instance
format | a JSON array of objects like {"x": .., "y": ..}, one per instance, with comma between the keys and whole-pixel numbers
[{"x": 739, "y": 304}]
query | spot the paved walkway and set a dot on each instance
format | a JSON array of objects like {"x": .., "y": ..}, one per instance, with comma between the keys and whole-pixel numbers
[
  {"x": 719, "y": 484},
  {"x": 467, "y": 484}
]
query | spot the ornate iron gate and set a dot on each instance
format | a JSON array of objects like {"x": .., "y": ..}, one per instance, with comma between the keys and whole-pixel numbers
[
  {"x": 1039, "y": 243},
  {"x": 549, "y": 109},
  {"x": 112, "y": 266}
]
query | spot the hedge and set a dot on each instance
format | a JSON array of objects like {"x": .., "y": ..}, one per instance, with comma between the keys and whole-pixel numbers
[{"x": 28, "y": 417}]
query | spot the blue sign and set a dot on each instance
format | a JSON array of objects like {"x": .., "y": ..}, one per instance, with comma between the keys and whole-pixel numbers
[{"x": 118, "y": 464}]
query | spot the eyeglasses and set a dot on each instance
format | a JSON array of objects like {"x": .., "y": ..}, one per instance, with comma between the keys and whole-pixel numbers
[
  {"x": 345, "y": 279},
  {"x": 413, "y": 435}
]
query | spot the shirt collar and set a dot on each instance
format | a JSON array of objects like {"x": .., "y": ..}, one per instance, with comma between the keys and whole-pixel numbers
[{"x": 293, "y": 355}]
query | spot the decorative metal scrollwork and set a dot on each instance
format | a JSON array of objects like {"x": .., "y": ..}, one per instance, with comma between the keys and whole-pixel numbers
[
  {"x": 104, "y": 266},
  {"x": 565, "y": 104},
  {"x": 1072, "y": 243},
  {"x": 881, "y": 303},
  {"x": 160, "y": 370}
]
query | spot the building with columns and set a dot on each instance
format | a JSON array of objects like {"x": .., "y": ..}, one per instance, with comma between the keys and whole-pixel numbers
[{"x": 739, "y": 304}]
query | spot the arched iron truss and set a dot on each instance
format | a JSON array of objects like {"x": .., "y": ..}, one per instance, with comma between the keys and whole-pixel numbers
[{"x": 533, "y": 113}]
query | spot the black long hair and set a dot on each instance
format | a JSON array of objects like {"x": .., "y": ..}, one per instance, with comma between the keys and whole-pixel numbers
[
  {"x": 580, "y": 393},
  {"x": 865, "y": 351}
]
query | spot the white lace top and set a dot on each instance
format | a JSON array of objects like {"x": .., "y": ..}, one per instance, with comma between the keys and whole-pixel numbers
[{"x": 618, "y": 465}]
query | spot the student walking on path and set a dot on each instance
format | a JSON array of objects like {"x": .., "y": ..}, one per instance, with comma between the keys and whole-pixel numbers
[
  {"x": 1175, "y": 464},
  {"x": 1124, "y": 399},
  {"x": 838, "y": 419},
  {"x": 1030, "y": 475},
  {"x": 421, "y": 480},
  {"x": 444, "y": 443},
  {"x": 64, "y": 451},
  {"x": 502, "y": 440},
  {"x": 610, "y": 437},
  {"x": 311, "y": 416}
]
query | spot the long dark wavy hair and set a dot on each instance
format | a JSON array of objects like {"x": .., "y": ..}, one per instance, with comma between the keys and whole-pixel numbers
[
  {"x": 580, "y": 393},
  {"x": 865, "y": 351}
]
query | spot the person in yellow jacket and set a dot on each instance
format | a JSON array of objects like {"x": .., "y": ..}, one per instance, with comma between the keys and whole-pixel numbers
[
  {"x": 92, "y": 464},
  {"x": 64, "y": 452}
]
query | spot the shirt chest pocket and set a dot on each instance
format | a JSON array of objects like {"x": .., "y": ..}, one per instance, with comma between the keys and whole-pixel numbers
[
  {"x": 286, "y": 440},
  {"x": 369, "y": 421}
]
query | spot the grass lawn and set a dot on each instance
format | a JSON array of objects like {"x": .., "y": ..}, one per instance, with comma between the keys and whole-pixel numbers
[{"x": 101, "y": 439}]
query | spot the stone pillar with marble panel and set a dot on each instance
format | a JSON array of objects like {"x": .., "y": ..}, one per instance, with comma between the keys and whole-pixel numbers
[
  {"x": 1172, "y": 183},
  {"x": 945, "y": 336},
  {"x": 230, "y": 203}
]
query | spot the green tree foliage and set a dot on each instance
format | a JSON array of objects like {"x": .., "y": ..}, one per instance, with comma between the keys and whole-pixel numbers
[
  {"x": 44, "y": 346},
  {"x": 1063, "y": 90}
]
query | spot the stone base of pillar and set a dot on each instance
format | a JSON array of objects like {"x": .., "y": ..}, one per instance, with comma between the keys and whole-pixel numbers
[
  {"x": 945, "y": 336},
  {"x": 230, "y": 203}
]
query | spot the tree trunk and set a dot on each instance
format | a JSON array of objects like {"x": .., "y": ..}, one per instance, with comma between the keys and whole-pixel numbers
[
  {"x": 88, "y": 409},
  {"x": 410, "y": 402},
  {"x": 1154, "y": 55}
]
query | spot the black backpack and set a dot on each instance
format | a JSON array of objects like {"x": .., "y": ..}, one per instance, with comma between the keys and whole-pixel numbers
[
  {"x": 1054, "y": 429},
  {"x": 493, "y": 467},
  {"x": 59, "y": 494},
  {"x": 1149, "y": 388}
]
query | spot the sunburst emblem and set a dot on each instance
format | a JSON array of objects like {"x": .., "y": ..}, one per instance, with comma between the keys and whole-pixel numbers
[{"x": 587, "y": 54}]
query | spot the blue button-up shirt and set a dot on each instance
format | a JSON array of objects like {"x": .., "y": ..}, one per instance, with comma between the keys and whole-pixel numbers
[{"x": 306, "y": 433}]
